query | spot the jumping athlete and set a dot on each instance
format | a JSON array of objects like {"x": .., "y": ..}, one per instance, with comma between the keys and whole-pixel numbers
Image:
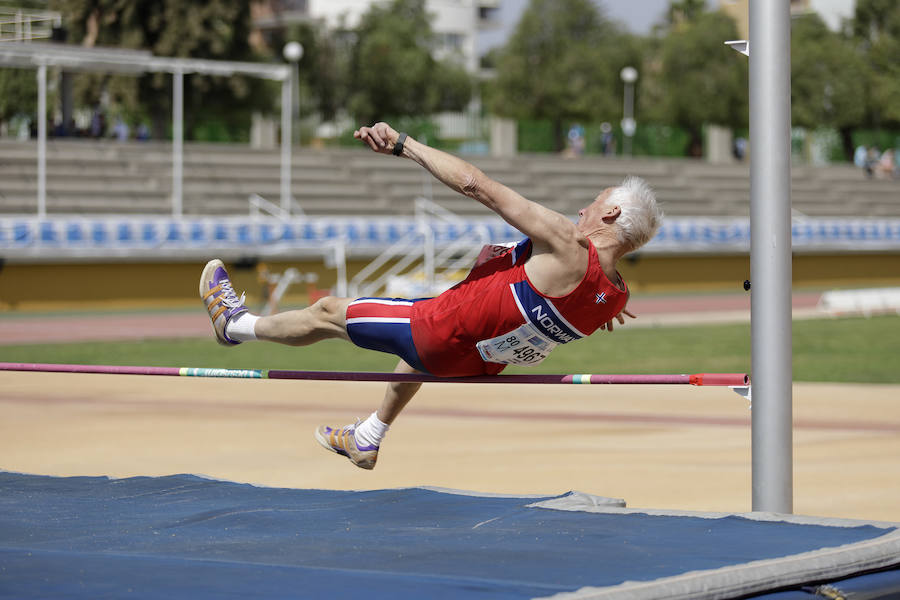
[{"x": 517, "y": 303}]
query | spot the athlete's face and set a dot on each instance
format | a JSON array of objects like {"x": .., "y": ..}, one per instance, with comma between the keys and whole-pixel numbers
[{"x": 591, "y": 216}]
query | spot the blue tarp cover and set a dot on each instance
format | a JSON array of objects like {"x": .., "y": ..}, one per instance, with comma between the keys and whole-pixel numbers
[{"x": 184, "y": 536}]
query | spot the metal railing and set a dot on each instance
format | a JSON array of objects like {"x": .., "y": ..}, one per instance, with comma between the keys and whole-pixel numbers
[
  {"x": 259, "y": 205},
  {"x": 420, "y": 254},
  {"x": 22, "y": 25}
]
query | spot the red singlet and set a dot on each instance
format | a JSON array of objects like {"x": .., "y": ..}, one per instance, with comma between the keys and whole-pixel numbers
[{"x": 495, "y": 304}]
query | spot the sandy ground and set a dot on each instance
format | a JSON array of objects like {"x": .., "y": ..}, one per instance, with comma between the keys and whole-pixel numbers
[{"x": 674, "y": 447}]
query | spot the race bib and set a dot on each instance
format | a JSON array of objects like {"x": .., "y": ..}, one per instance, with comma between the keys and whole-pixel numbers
[{"x": 524, "y": 346}]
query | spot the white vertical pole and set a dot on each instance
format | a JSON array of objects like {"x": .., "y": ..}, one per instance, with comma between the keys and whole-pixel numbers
[
  {"x": 770, "y": 254},
  {"x": 340, "y": 262},
  {"x": 177, "y": 142},
  {"x": 286, "y": 117},
  {"x": 429, "y": 258},
  {"x": 629, "y": 117},
  {"x": 42, "y": 141}
]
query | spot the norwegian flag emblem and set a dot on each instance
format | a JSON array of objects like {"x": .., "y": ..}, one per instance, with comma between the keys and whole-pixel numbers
[{"x": 600, "y": 298}]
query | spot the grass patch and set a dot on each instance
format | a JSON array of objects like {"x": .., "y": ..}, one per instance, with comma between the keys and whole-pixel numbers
[{"x": 854, "y": 350}]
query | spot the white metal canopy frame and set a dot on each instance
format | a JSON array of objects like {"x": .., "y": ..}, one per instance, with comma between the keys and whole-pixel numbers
[{"x": 76, "y": 58}]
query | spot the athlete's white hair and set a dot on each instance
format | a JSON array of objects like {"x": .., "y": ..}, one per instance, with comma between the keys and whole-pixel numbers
[{"x": 641, "y": 216}]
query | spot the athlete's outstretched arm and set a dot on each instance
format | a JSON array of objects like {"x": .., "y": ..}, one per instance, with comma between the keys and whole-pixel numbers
[{"x": 542, "y": 225}]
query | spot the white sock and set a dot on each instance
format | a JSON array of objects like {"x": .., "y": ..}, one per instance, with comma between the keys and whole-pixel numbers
[
  {"x": 242, "y": 328},
  {"x": 371, "y": 431}
]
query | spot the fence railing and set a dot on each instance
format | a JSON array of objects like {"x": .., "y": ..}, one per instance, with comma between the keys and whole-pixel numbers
[
  {"x": 420, "y": 261},
  {"x": 22, "y": 25},
  {"x": 92, "y": 237}
]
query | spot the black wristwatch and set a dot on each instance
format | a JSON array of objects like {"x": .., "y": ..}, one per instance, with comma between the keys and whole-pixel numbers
[{"x": 398, "y": 146}]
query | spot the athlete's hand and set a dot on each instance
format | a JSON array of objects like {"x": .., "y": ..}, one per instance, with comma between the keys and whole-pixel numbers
[
  {"x": 608, "y": 326},
  {"x": 380, "y": 137}
]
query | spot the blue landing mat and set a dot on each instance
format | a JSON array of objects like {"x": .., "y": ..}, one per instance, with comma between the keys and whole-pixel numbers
[{"x": 187, "y": 537}]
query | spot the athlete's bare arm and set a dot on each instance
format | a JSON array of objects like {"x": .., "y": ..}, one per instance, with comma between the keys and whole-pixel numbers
[{"x": 560, "y": 256}]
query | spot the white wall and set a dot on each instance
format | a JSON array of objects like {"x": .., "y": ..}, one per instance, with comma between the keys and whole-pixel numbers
[
  {"x": 449, "y": 17},
  {"x": 832, "y": 11}
]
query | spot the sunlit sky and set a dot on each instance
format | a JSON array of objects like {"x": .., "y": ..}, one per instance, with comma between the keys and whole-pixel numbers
[{"x": 639, "y": 16}]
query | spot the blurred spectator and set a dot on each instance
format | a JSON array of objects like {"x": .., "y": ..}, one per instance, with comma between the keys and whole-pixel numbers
[
  {"x": 98, "y": 123},
  {"x": 143, "y": 132},
  {"x": 885, "y": 168},
  {"x": 121, "y": 130},
  {"x": 23, "y": 129},
  {"x": 872, "y": 157},
  {"x": 59, "y": 129},
  {"x": 740, "y": 148},
  {"x": 607, "y": 140},
  {"x": 576, "y": 140},
  {"x": 859, "y": 156}
]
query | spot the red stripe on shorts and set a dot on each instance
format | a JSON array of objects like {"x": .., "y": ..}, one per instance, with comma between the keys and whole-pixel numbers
[{"x": 362, "y": 309}]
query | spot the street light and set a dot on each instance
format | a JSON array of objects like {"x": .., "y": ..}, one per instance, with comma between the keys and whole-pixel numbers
[
  {"x": 290, "y": 110},
  {"x": 293, "y": 52},
  {"x": 629, "y": 75}
]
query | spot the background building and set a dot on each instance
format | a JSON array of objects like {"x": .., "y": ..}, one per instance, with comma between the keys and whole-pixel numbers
[
  {"x": 456, "y": 23},
  {"x": 833, "y": 12}
]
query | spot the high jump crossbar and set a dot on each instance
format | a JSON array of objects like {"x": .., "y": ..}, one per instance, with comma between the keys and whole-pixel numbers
[{"x": 707, "y": 379}]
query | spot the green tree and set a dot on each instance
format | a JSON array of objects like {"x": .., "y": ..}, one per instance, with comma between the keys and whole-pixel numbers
[
  {"x": 211, "y": 29},
  {"x": 685, "y": 10},
  {"x": 322, "y": 68},
  {"x": 18, "y": 87},
  {"x": 876, "y": 26},
  {"x": 393, "y": 71},
  {"x": 18, "y": 93},
  {"x": 828, "y": 77},
  {"x": 694, "y": 79},
  {"x": 562, "y": 64}
]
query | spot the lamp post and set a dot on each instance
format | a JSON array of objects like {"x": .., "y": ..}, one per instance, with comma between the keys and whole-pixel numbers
[
  {"x": 629, "y": 75},
  {"x": 292, "y": 51}
]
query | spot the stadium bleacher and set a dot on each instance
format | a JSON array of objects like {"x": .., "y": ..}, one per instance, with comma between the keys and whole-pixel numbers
[
  {"x": 107, "y": 200},
  {"x": 90, "y": 177}
]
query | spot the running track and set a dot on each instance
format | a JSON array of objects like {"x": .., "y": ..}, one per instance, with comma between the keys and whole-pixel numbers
[{"x": 119, "y": 326}]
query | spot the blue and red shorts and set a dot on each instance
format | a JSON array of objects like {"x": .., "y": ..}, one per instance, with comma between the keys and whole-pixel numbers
[{"x": 382, "y": 324}]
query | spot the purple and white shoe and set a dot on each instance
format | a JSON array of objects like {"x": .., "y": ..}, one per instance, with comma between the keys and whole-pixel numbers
[
  {"x": 222, "y": 303},
  {"x": 343, "y": 441}
]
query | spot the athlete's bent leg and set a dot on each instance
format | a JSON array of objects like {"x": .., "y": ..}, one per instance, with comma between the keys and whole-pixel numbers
[
  {"x": 325, "y": 319},
  {"x": 361, "y": 442},
  {"x": 397, "y": 395}
]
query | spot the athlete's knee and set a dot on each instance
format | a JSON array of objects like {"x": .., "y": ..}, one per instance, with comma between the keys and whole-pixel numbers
[{"x": 331, "y": 309}]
